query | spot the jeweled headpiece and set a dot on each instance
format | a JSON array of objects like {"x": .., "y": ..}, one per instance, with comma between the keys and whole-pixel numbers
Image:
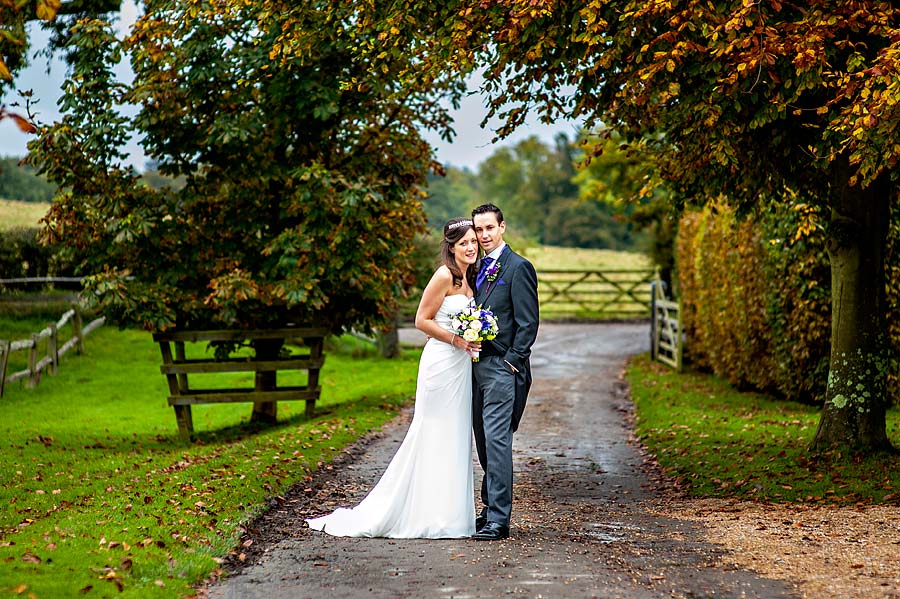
[{"x": 461, "y": 223}]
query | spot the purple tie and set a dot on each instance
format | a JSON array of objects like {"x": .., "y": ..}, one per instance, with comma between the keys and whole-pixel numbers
[{"x": 485, "y": 264}]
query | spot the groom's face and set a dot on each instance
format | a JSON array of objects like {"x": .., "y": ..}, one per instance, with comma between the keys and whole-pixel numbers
[{"x": 489, "y": 231}]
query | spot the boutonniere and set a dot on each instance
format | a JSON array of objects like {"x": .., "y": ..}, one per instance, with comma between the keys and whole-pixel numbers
[{"x": 492, "y": 272}]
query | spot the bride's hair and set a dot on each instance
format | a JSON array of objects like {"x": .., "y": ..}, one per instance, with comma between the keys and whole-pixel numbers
[{"x": 454, "y": 230}]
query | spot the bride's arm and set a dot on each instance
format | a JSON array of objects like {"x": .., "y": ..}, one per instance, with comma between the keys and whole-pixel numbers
[
  {"x": 434, "y": 294},
  {"x": 438, "y": 287}
]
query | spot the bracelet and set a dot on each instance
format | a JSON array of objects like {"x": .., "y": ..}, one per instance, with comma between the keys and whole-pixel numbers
[{"x": 452, "y": 339}]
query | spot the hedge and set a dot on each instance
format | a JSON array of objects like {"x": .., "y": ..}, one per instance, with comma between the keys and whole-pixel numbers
[
  {"x": 756, "y": 298},
  {"x": 22, "y": 255}
]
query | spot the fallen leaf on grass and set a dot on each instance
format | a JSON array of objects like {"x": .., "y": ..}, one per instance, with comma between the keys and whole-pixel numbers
[
  {"x": 30, "y": 558},
  {"x": 86, "y": 589},
  {"x": 20, "y": 589}
]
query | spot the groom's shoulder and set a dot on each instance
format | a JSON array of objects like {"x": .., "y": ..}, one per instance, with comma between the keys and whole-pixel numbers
[{"x": 516, "y": 258}]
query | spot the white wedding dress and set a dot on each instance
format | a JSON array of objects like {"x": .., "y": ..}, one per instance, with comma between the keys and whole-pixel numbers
[{"x": 426, "y": 491}]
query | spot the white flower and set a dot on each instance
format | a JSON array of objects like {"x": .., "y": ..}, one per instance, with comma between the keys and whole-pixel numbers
[
  {"x": 470, "y": 335},
  {"x": 475, "y": 325}
]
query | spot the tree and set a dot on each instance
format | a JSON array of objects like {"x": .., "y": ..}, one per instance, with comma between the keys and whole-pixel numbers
[
  {"x": 295, "y": 128},
  {"x": 14, "y": 46},
  {"x": 19, "y": 182},
  {"x": 627, "y": 181},
  {"x": 450, "y": 195},
  {"x": 749, "y": 99},
  {"x": 527, "y": 179}
]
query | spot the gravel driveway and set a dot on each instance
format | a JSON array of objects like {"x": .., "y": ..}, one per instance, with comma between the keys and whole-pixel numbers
[{"x": 588, "y": 517}]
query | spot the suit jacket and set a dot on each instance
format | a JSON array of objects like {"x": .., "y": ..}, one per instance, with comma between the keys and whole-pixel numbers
[{"x": 513, "y": 299}]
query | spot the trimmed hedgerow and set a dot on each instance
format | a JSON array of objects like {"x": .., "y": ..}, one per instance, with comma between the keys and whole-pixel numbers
[{"x": 756, "y": 298}]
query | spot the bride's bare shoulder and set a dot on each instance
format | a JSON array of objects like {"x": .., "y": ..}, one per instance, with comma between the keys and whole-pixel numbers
[{"x": 442, "y": 274}]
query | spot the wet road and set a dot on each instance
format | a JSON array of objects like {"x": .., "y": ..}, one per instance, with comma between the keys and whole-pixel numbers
[{"x": 587, "y": 519}]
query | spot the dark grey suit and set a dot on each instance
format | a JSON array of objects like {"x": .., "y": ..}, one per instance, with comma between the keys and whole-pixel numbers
[{"x": 499, "y": 395}]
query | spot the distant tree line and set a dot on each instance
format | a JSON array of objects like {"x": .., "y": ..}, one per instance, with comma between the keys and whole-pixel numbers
[
  {"x": 542, "y": 197},
  {"x": 21, "y": 182}
]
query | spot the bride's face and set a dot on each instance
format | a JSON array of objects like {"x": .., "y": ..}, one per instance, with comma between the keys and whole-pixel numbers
[{"x": 465, "y": 251}]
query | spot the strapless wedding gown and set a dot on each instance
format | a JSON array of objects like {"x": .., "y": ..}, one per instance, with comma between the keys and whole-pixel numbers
[{"x": 427, "y": 489}]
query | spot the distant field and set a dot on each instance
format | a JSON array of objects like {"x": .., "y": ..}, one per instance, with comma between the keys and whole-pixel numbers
[
  {"x": 551, "y": 257},
  {"x": 21, "y": 214}
]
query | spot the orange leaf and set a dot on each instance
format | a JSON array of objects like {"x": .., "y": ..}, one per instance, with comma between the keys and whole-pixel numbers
[
  {"x": 22, "y": 123},
  {"x": 46, "y": 9}
]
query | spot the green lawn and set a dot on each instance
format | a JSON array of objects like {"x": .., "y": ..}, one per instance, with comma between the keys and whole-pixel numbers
[
  {"x": 720, "y": 442},
  {"x": 104, "y": 499},
  {"x": 14, "y": 213}
]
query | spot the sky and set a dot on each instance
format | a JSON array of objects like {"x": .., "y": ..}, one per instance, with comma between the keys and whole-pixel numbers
[{"x": 469, "y": 148}]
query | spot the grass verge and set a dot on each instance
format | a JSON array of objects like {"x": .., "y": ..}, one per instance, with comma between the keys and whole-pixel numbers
[
  {"x": 719, "y": 442},
  {"x": 103, "y": 499}
]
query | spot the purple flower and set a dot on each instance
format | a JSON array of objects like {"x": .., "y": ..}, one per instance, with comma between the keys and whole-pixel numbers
[{"x": 492, "y": 271}]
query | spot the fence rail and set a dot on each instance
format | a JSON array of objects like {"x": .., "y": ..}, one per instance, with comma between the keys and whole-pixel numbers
[
  {"x": 48, "y": 360},
  {"x": 595, "y": 294},
  {"x": 54, "y": 350}
]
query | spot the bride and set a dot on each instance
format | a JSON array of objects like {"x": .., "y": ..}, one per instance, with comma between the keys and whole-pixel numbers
[{"x": 427, "y": 489}]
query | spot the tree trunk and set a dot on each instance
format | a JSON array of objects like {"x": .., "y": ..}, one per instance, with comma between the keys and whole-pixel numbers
[
  {"x": 389, "y": 339},
  {"x": 266, "y": 411},
  {"x": 856, "y": 400}
]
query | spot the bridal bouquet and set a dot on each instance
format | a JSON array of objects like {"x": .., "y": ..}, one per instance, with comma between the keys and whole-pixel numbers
[{"x": 474, "y": 323}]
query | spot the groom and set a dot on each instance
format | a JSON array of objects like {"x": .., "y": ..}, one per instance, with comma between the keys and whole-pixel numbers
[{"x": 507, "y": 284}]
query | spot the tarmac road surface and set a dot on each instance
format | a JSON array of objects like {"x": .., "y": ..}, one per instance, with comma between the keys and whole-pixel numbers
[{"x": 588, "y": 517}]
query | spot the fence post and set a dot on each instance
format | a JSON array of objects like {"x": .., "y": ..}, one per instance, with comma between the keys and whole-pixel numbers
[
  {"x": 76, "y": 331},
  {"x": 34, "y": 375},
  {"x": 653, "y": 325},
  {"x": 4, "y": 362},
  {"x": 679, "y": 352},
  {"x": 53, "y": 348}
]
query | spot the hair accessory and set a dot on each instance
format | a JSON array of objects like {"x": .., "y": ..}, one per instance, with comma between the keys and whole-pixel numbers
[{"x": 461, "y": 223}]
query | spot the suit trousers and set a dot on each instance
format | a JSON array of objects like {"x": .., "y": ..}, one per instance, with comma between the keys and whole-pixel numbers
[{"x": 493, "y": 397}]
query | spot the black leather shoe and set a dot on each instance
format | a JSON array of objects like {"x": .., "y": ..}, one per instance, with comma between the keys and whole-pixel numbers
[
  {"x": 481, "y": 520},
  {"x": 492, "y": 531}
]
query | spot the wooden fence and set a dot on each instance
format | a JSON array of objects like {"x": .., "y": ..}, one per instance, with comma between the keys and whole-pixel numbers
[
  {"x": 53, "y": 352},
  {"x": 582, "y": 294},
  {"x": 594, "y": 294},
  {"x": 667, "y": 341},
  {"x": 266, "y": 392}
]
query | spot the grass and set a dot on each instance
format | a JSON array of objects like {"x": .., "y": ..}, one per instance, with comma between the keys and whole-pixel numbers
[
  {"x": 550, "y": 257},
  {"x": 102, "y": 497},
  {"x": 719, "y": 442},
  {"x": 14, "y": 214}
]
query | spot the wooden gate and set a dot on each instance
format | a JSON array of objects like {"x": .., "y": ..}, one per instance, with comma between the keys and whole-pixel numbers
[
  {"x": 594, "y": 294},
  {"x": 667, "y": 343}
]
